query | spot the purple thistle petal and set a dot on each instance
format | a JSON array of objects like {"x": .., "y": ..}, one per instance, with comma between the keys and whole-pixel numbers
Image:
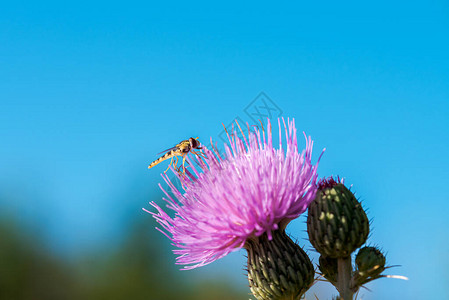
[{"x": 256, "y": 189}]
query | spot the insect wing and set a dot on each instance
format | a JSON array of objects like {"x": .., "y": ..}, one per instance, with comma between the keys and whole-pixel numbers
[{"x": 169, "y": 149}]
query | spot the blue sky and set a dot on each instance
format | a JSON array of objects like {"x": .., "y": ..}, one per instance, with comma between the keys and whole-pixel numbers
[{"x": 90, "y": 92}]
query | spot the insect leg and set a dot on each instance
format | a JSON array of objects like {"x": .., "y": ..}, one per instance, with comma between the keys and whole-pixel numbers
[
  {"x": 201, "y": 154},
  {"x": 183, "y": 162},
  {"x": 171, "y": 162},
  {"x": 176, "y": 163}
]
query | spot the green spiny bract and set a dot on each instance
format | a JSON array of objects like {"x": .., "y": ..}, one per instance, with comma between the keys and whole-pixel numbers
[
  {"x": 278, "y": 269},
  {"x": 337, "y": 224}
]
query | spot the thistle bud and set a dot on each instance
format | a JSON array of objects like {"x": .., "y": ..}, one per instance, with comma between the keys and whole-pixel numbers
[
  {"x": 329, "y": 268},
  {"x": 278, "y": 268},
  {"x": 337, "y": 224},
  {"x": 370, "y": 262}
]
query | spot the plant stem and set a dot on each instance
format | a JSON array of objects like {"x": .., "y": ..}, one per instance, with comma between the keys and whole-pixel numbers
[{"x": 344, "y": 278}]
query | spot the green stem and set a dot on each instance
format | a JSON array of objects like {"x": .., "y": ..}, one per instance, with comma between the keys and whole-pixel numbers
[{"x": 344, "y": 278}]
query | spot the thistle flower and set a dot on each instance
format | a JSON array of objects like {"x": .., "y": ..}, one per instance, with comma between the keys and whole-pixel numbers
[{"x": 254, "y": 191}]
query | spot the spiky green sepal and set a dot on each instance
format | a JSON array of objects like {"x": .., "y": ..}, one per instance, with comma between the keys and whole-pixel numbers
[
  {"x": 337, "y": 224},
  {"x": 278, "y": 269}
]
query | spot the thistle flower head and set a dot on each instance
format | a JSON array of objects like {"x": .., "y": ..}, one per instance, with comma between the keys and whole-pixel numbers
[{"x": 255, "y": 189}]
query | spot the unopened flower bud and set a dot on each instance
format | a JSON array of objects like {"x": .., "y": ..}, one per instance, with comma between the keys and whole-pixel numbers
[
  {"x": 370, "y": 262},
  {"x": 278, "y": 268},
  {"x": 337, "y": 224},
  {"x": 329, "y": 268}
]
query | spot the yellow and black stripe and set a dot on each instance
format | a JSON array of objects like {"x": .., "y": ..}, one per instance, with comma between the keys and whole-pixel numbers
[{"x": 166, "y": 156}]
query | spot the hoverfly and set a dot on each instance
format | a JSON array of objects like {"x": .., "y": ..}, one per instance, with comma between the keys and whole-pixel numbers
[{"x": 181, "y": 149}]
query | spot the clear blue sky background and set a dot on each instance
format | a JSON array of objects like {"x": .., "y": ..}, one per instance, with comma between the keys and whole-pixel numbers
[{"x": 91, "y": 91}]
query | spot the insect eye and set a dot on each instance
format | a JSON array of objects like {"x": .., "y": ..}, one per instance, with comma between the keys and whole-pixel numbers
[{"x": 193, "y": 143}]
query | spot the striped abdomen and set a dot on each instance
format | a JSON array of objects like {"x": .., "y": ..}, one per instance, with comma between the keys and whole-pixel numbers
[{"x": 167, "y": 155}]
